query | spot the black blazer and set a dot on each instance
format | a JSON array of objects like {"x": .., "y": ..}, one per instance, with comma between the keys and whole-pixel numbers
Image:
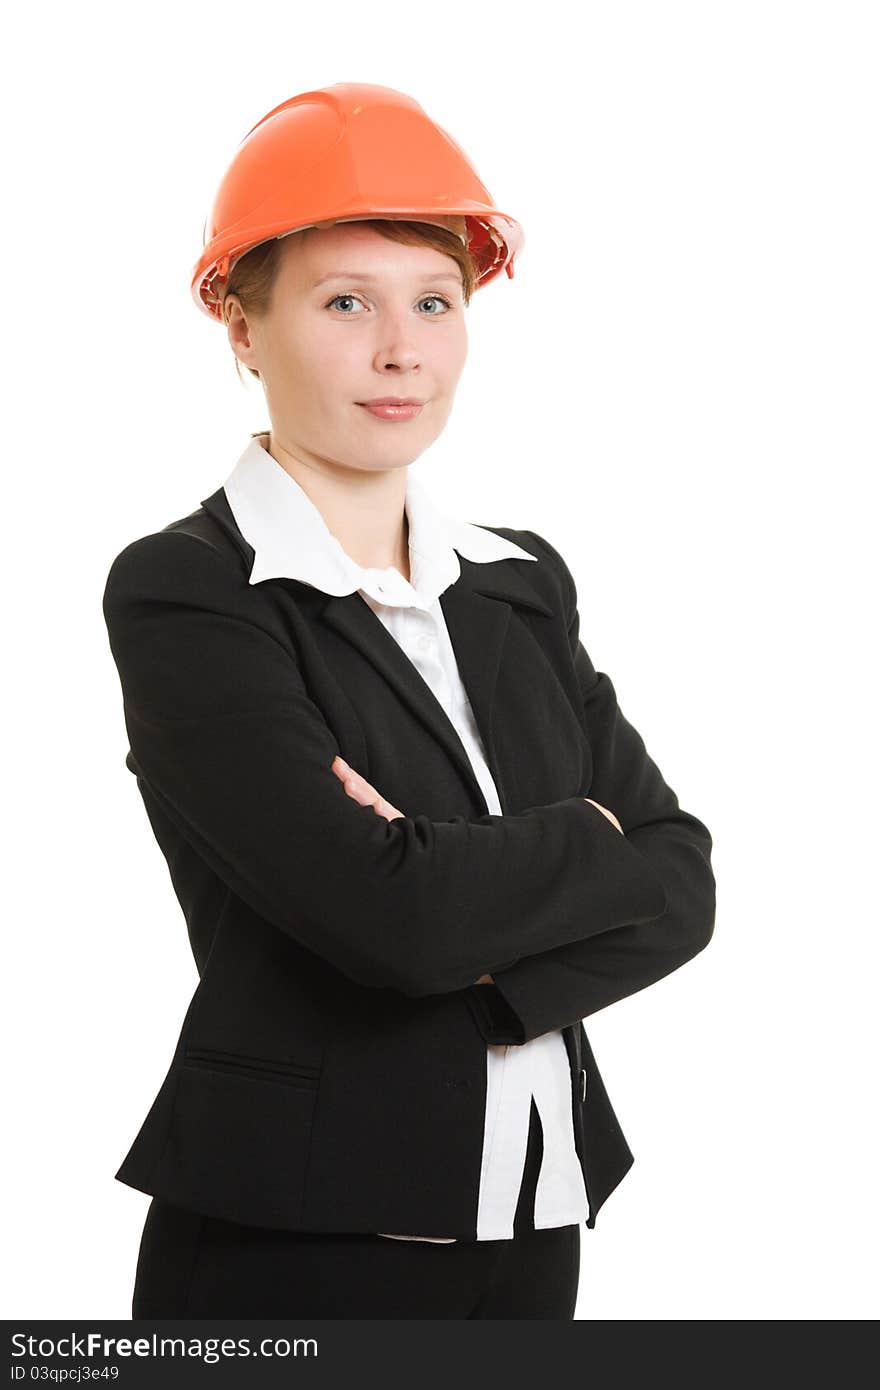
[{"x": 330, "y": 1073}]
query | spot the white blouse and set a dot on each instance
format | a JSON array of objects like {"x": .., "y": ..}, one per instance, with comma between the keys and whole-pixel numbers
[{"x": 292, "y": 540}]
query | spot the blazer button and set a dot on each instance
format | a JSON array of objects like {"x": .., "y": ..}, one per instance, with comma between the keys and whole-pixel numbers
[{"x": 583, "y": 1083}]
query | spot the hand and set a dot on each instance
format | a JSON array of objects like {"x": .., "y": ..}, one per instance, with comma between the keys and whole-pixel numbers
[
  {"x": 605, "y": 812},
  {"x": 484, "y": 980},
  {"x": 360, "y": 790}
]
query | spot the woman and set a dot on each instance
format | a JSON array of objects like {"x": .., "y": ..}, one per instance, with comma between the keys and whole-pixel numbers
[{"x": 364, "y": 733}]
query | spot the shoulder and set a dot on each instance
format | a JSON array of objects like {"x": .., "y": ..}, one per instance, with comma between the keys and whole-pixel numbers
[{"x": 189, "y": 558}]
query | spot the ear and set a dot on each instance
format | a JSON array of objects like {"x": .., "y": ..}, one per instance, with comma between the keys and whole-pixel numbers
[{"x": 238, "y": 331}]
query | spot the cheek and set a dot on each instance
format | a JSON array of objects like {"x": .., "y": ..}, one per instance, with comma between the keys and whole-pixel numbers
[
  {"x": 287, "y": 358},
  {"x": 452, "y": 359},
  {"x": 334, "y": 364},
  {"x": 317, "y": 369},
  {"x": 454, "y": 344}
]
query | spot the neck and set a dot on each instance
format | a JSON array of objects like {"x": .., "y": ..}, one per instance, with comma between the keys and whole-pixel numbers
[{"x": 365, "y": 510}]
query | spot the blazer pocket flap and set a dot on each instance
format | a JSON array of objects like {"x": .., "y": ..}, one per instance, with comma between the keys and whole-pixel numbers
[{"x": 299, "y": 1073}]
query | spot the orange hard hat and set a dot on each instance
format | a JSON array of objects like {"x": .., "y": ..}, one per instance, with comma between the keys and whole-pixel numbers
[{"x": 343, "y": 154}]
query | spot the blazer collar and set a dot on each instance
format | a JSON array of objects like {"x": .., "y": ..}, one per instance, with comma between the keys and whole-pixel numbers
[{"x": 477, "y": 607}]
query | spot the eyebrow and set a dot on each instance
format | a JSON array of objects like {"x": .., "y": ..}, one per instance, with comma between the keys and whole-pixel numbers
[{"x": 371, "y": 279}]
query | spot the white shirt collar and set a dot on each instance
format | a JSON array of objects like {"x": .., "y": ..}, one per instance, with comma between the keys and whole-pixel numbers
[{"x": 291, "y": 539}]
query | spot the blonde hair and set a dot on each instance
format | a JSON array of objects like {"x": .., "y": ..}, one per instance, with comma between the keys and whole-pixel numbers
[{"x": 253, "y": 277}]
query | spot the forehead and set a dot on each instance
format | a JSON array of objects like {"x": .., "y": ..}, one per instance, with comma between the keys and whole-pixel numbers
[{"x": 352, "y": 249}]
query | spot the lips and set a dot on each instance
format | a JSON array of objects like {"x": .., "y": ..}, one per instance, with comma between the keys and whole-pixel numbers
[
  {"x": 392, "y": 408},
  {"x": 393, "y": 400}
]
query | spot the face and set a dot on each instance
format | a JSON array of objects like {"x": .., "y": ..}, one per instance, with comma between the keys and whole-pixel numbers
[{"x": 353, "y": 317}]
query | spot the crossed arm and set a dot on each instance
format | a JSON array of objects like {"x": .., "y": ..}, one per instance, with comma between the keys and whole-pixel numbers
[
  {"x": 234, "y": 752},
  {"x": 561, "y": 986},
  {"x": 361, "y": 791},
  {"x": 565, "y": 912}
]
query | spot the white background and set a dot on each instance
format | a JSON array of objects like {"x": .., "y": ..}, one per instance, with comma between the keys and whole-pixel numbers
[{"x": 678, "y": 389}]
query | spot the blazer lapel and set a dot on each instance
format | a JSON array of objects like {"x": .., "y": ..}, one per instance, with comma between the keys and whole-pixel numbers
[{"x": 477, "y": 609}]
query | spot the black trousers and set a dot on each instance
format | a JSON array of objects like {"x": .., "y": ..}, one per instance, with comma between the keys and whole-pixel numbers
[{"x": 190, "y": 1265}]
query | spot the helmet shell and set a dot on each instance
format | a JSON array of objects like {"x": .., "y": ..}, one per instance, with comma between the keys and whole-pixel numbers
[{"x": 343, "y": 154}]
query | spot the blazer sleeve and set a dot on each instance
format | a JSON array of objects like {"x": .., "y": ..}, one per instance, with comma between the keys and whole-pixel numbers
[
  {"x": 555, "y": 988},
  {"x": 226, "y": 737}
]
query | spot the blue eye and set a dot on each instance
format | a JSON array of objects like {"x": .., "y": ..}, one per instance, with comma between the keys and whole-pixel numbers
[
  {"x": 340, "y": 296},
  {"x": 353, "y": 297},
  {"x": 438, "y": 297}
]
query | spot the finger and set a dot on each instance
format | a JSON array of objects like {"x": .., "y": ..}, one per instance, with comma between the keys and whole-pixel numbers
[
  {"x": 368, "y": 796},
  {"x": 349, "y": 775},
  {"x": 363, "y": 792},
  {"x": 354, "y": 783},
  {"x": 609, "y": 815},
  {"x": 360, "y": 789}
]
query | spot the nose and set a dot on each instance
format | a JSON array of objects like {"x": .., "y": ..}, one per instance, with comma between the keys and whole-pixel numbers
[
  {"x": 398, "y": 350},
  {"x": 398, "y": 358}
]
